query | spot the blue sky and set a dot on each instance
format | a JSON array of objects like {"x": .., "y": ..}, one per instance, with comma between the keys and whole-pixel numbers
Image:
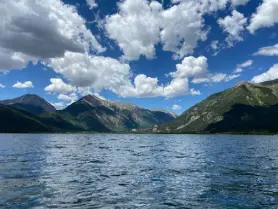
[{"x": 107, "y": 48}]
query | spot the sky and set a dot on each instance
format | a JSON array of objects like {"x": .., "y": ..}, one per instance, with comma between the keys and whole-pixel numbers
[{"x": 167, "y": 54}]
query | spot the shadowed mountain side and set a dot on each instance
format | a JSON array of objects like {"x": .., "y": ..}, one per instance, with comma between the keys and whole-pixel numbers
[
  {"x": 220, "y": 107},
  {"x": 247, "y": 119},
  {"x": 14, "y": 120},
  {"x": 31, "y": 103},
  {"x": 87, "y": 114}
]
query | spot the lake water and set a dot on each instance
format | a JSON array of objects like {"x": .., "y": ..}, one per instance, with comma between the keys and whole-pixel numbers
[{"x": 138, "y": 171}]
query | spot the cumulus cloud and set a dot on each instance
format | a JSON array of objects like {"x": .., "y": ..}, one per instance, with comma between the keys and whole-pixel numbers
[
  {"x": 93, "y": 73},
  {"x": 176, "y": 107},
  {"x": 26, "y": 84},
  {"x": 72, "y": 97},
  {"x": 233, "y": 25},
  {"x": 59, "y": 86},
  {"x": 271, "y": 74},
  {"x": 268, "y": 51},
  {"x": 265, "y": 16},
  {"x": 135, "y": 28},
  {"x": 33, "y": 30},
  {"x": 179, "y": 85},
  {"x": 182, "y": 28},
  {"x": 84, "y": 70},
  {"x": 2, "y": 86},
  {"x": 140, "y": 25}
]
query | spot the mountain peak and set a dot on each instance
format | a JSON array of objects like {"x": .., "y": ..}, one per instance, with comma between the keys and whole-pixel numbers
[
  {"x": 31, "y": 103},
  {"x": 92, "y": 100}
]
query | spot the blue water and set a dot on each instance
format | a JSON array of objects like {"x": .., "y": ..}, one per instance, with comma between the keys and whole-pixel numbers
[{"x": 138, "y": 171}]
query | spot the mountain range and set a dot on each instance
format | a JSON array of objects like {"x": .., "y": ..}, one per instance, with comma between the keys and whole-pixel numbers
[
  {"x": 243, "y": 109},
  {"x": 246, "y": 108},
  {"x": 30, "y": 113}
]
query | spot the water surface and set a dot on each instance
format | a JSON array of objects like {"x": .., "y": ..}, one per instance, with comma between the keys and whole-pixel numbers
[{"x": 138, "y": 171}]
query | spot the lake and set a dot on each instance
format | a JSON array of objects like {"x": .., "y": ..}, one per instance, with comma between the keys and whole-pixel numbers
[{"x": 138, "y": 171}]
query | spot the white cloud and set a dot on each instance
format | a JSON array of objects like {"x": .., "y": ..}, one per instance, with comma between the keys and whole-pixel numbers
[
  {"x": 214, "y": 78},
  {"x": 182, "y": 28},
  {"x": 32, "y": 30},
  {"x": 26, "y": 84},
  {"x": 140, "y": 25},
  {"x": 233, "y": 25},
  {"x": 176, "y": 107},
  {"x": 72, "y": 97},
  {"x": 97, "y": 72},
  {"x": 271, "y": 74},
  {"x": 2, "y": 86},
  {"x": 247, "y": 63},
  {"x": 191, "y": 67},
  {"x": 91, "y": 3},
  {"x": 149, "y": 87},
  {"x": 268, "y": 51},
  {"x": 239, "y": 2},
  {"x": 93, "y": 73},
  {"x": 238, "y": 70},
  {"x": 240, "y": 67},
  {"x": 135, "y": 28},
  {"x": 214, "y": 45},
  {"x": 58, "y": 105},
  {"x": 266, "y": 16},
  {"x": 59, "y": 86}
]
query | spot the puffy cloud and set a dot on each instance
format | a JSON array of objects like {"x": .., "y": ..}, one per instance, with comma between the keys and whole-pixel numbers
[
  {"x": 10, "y": 60},
  {"x": 182, "y": 28},
  {"x": 2, "y": 86},
  {"x": 271, "y": 74},
  {"x": 93, "y": 73},
  {"x": 59, "y": 86},
  {"x": 140, "y": 25},
  {"x": 266, "y": 16},
  {"x": 70, "y": 98},
  {"x": 233, "y": 25},
  {"x": 191, "y": 67},
  {"x": 34, "y": 29},
  {"x": 26, "y": 84},
  {"x": 135, "y": 28},
  {"x": 176, "y": 107},
  {"x": 91, "y": 3},
  {"x": 268, "y": 51},
  {"x": 84, "y": 70},
  {"x": 149, "y": 87}
]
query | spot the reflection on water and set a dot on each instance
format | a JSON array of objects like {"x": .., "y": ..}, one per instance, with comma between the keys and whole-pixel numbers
[{"x": 138, "y": 171}]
